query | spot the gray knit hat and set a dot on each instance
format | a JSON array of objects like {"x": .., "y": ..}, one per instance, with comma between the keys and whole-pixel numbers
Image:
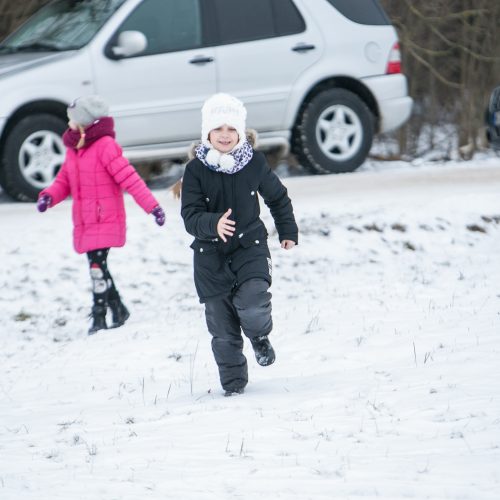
[{"x": 87, "y": 109}]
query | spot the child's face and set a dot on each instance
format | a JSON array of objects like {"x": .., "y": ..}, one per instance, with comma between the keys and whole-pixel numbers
[
  {"x": 224, "y": 138},
  {"x": 72, "y": 125}
]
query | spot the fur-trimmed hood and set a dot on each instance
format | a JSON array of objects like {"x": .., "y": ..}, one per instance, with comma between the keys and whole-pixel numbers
[{"x": 251, "y": 138}]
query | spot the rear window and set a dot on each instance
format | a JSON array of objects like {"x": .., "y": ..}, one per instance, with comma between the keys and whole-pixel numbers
[
  {"x": 362, "y": 11},
  {"x": 287, "y": 19},
  {"x": 244, "y": 20}
]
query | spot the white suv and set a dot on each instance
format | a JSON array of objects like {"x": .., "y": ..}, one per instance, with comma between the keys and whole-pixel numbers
[{"x": 320, "y": 75}]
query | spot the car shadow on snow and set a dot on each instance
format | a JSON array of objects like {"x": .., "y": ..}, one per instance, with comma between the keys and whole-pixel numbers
[{"x": 4, "y": 198}]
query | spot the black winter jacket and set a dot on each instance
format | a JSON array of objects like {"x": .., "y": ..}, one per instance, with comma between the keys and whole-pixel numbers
[{"x": 206, "y": 195}]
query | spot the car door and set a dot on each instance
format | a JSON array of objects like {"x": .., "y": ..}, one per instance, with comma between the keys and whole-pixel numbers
[
  {"x": 156, "y": 96},
  {"x": 262, "y": 48}
]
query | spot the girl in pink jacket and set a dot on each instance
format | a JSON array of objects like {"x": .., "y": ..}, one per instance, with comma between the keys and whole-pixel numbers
[{"x": 95, "y": 174}]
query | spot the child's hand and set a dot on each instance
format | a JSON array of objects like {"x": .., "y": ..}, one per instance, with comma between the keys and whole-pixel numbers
[
  {"x": 159, "y": 215},
  {"x": 287, "y": 244},
  {"x": 43, "y": 202},
  {"x": 225, "y": 227}
]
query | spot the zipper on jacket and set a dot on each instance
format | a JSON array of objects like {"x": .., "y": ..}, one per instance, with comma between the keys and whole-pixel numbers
[
  {"x": 233, "y": 204},
  {"x": 79, "y": 188},
  {"x": 99, "y": 212}
]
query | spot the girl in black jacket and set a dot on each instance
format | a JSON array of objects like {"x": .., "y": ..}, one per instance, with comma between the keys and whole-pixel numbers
[{"x": 232, "y": 263}]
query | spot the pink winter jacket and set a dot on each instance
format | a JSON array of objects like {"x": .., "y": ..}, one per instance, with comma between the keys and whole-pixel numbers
[{"x": 96, "y": 177}]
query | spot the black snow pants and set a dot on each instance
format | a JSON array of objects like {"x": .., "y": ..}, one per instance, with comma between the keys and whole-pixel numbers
[
  {"x": 248, "y": 308},
  {"x": 103, "y": 287}
]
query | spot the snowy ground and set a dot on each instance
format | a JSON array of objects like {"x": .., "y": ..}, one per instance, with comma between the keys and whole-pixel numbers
[{"x": 387, "y": 332}]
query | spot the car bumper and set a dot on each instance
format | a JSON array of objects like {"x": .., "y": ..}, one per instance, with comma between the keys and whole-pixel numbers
[{"x": 391, "y": 94}]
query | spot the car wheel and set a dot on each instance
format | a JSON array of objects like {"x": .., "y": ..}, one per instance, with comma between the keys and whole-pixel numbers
[
  {"x": 334, "y": 133},
  {"x": 32, "y": 155}
]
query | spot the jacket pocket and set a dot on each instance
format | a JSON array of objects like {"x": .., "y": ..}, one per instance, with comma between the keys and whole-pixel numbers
[
  {"x": 88, "y": 210},
  {"x": 106, "y": 212},
  {"x": 203, "y": 247},
  {"x": 255, "y": 237},
  {"x": 212, "y": 275}
]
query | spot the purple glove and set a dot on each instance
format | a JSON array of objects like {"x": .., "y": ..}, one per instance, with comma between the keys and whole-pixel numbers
[
  {"x": 43, "y": 202},
  {"x": 159, "y": 215}
]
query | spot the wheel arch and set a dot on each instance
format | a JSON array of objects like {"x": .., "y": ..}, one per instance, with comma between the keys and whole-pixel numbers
[
  {"x": 48, "y": 106},
  {"x": 342, "y": 82},
  {"x": 10, "y": 179}
]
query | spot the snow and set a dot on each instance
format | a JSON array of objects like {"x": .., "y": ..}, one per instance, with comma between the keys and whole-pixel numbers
[{"x": 386, "y": 383}]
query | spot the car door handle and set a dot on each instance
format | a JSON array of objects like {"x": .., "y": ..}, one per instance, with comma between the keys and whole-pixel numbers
[
  {"x": 303, "y": 47},
  {"x": 201, "y": 60}
]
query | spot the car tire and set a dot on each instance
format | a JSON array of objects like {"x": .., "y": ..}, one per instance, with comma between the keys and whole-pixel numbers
[
  {"x": 32, "y": 154},
  {"x": 334, "y": 132}
]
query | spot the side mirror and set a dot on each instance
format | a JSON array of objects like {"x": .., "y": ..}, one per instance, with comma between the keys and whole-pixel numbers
[{"x": 129, "y": 43}]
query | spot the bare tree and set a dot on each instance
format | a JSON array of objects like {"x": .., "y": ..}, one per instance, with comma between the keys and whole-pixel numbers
[{"x": 451, "y": 51}]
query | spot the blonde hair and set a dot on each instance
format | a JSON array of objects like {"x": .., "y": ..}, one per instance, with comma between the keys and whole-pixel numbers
[
  {"x": 176, "y": 189},
  {"x": 81, "y": 142}
]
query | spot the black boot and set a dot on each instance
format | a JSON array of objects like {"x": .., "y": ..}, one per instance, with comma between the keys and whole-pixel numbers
[
  {"x": 264, "y": 352},
  {"x": 119, "y": 312},
  {"x": 234, "y": 392},
  {"x": 98, "y": 316}
]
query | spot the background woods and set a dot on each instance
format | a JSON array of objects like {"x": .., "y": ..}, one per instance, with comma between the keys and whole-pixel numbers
[{"x": 451, "y": 55}]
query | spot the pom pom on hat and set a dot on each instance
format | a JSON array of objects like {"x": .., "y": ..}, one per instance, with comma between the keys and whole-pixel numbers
[
  {"x": 213, "y": 157},
  {"x": 87, "y": 109},
  {"x": 224, "y": 162},
  {"x": 223, "y": 109}
]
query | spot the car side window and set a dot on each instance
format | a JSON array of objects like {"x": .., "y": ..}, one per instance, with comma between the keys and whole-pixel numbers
[
  {"x": 367, "y": 12},
  {"x": 169, "y": 25},
  {"x": 287, "y": 18},
  {"x": 242, "y": 21}
]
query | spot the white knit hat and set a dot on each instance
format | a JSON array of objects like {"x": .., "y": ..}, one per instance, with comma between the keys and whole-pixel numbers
[
  {"x": 87, "y": 109},
  {"x": 223, "y": 109}
]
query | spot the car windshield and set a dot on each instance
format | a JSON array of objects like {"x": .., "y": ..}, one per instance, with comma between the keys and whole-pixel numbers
[{"x": 61, "y": 25}]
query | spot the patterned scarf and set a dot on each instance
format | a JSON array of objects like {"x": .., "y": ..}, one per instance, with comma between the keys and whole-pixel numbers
[
  {"x": 100, "y": 128},
  {"x": 229, "y": 163}
]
